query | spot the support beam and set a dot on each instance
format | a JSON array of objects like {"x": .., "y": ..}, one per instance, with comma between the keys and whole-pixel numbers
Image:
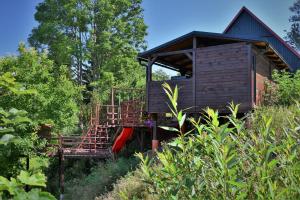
[
  {"x": 173, "y": 52},
  {"x": 189, "y": 55}
]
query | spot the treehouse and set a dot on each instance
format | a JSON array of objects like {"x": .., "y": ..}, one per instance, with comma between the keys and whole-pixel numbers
[
  {"x": 214, "y": 69},
  {"x": 211, "y": 70}
]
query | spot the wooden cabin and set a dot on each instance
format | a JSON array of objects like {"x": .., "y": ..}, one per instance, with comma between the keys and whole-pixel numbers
[{"x": 214, "y": 69}]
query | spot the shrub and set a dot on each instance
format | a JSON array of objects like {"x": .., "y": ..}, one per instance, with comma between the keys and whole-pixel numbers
[
  {"x": 100, "y": 180},
  {"x": 129, "y": 187},
  {"x": 226, "y": 161},
  {"x": 286, "y": 89},
  {"x": 14, "y": 188}
]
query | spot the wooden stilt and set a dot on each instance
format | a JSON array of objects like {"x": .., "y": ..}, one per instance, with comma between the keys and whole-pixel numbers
[
  {"x": 155, "y": 141},
  {"x": 61, "y": 173},
  {"x": 27, "y": 169},
  {"x": 142, "y": 140}
]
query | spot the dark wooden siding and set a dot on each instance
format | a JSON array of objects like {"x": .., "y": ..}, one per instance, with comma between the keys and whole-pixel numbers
[
  {"x": 264, "y": 70},
  {"x": 247, "y": 26},
  {"x": 222, "y": 76},
  {"x": 158, "y": 101}
]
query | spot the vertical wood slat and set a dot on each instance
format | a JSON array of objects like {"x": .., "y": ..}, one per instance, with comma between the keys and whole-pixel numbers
[
  {"x": 250, "y": 66},
  {"x": 149, "y": 78},
  {"x": 194, "y": 72}
]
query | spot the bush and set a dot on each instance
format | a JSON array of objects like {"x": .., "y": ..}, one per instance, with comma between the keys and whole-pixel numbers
[
  {"x": 227, "y": 161},
  {"x": 285, "y": 90},
  {"x": 100, "y": 180},
  {"x": 129, "y": 187}
]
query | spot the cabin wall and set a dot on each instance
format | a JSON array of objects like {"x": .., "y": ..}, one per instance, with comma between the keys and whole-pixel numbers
[
  {"x": 264, "y": 68},
  {"x": 158, "y": 100},
  {"x": 223, "y": 75}
]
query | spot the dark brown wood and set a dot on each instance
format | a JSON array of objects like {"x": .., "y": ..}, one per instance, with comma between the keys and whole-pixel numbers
[
  {"x": 173, "y": 52},
  {"x": 189, "y": 56},
  {"x": 222, "y": 76},
  {"x": 27, "y": 169},
  {"x": 61, "y": 174},
  {"x": 194, "y": 73},
  {"x": 158, "y": 100}
]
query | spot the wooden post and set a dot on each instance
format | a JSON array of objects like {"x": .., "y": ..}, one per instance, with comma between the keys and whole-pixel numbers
[
  {"x": 113, "y": 106},
  {"x": 155, "y": 141},
  {"x": 194, "y": 71},
  {"x": 142, "y": 140},
  {"x": 61, "y": 173},
  {"x": 149, "y": 78},
  {"x": 27, "y": 169}
]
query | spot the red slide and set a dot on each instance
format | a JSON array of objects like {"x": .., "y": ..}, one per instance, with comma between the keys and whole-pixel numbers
[{"x": 121, "y": 139}]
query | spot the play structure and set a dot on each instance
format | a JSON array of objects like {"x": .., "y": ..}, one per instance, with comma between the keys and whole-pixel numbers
[{"x": 119, "y": 119}]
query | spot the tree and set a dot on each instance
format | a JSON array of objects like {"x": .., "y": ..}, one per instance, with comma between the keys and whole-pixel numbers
[
  {"x": 55, "y": 100},
  {"x": 160, "y": 75},
  {"x": 97, "y": 39},
  {"x": 293, "y": 35},
  {"x": 17, "y": 137}
]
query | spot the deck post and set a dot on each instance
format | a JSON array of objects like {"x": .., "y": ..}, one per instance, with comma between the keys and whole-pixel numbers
[
  {"x": 194, "y": 72},
  {"x": 151, "y": 61},
  {"x": 113, "y": 106},
  {"x": 142, "y": 140},
  {"x": 155, "y": 141},
  {"x": 27, "y": 169},
  {"x": 61, "y": 173}
]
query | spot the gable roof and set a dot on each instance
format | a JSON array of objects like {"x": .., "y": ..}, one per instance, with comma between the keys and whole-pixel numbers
[{"x": 244, "y": 9}]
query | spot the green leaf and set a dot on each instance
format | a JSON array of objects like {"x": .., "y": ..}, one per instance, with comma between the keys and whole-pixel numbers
[
  {"x": 5, "y": 139},
  {"x": 169, "y": 128},
  {"x": 182, "y": 120},
  {"x": 6, "y": 130},
  {"x": 33, "y": 180}
]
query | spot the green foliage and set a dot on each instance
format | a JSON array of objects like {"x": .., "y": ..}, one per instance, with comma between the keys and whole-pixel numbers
[
  {"x": 97, "y": 39},
  {"x": 17, "y": 134},
  {"x": 14, "y": 188},
  {"x": 285, "y": 90},
  {"x": 129, "y": 187},
  {"x": 100, "y": 180},
  {"x": 53, "y": 97},
  {"x": 160, "y": 75},
  {"x": 225, "y": 160}
]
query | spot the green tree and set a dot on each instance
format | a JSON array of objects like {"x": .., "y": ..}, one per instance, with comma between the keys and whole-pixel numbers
[
  {"x": 17, "y": 137},
  {"x": 56, "y": 97},
  {"x": 97, "y": 39},
  {"x": 160, "y": 75},
  {"x": 293, "y": 35}
]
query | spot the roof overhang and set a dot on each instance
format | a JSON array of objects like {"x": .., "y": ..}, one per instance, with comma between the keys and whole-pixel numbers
[{"x": 176, "y": 54}]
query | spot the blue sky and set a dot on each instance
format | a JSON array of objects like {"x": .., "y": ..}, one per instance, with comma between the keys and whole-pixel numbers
[{"x": 166, "y": 19}]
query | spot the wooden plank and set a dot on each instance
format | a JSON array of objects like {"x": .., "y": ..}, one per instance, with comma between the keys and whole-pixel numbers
[
  {"x": 173, "y": 53},
  {"x": 194, "y": 71}
]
